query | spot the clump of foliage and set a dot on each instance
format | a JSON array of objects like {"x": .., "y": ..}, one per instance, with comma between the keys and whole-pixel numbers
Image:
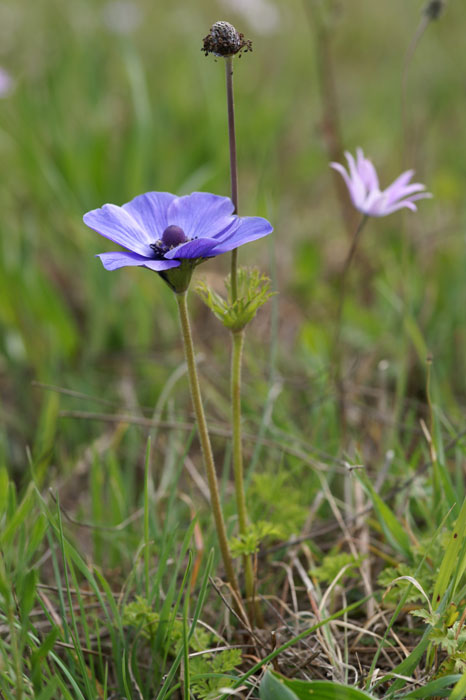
[
  {"x": 250, "y": 542},
  {"x": 447, "y": 634},
  {"x": 282, "y": 503},
  {"x": 333, "y": 563},
  {"x": 209, "y": 672},
  {"x": 208, "y": 669}
]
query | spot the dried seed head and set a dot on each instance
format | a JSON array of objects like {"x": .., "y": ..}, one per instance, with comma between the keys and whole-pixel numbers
[
  {"x": 224, "y": 40},
  {"x": 434, "y": 8}
]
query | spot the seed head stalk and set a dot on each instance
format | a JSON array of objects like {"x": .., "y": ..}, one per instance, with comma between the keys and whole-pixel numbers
[
  {"x": 205, "y": 441},
  {"x": 431, "y": 12},
  {"x": 233, "y": 167},
  {"x": 223, "y": 40},
  {"x": 236, "y": 363},
  {"x": 237, "y": 355}
]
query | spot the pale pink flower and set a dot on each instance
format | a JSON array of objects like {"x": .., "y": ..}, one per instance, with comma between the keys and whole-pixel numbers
[{"x": 365, "y": 192}]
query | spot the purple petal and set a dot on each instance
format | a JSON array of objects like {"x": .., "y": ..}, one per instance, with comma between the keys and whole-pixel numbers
[
  {"x": 113, "y": 261},
  {"x": 389, "y": 209},
  {"x": 402, "y": 192},
  {"x": 150, "y": 212},
  {"x": 232, "y": 223},
  {"x": 342, "y": 170},
  {"x": 160, "y": 265},
  {"x": 383, "y": 206},
  {"x": 198, "y": 248},
  {"x": 355, "y": 191},
  {"x": 401, "y": 181},
  {"x": 391, "y": 203},
  {"x": 358, "y": 189},
  {"x": 367, "y": 171},
  {"x": 201, "y": 214},
  {"x": 250, "y": 229},
  {"x": 116, "y": 224},
  {"x": 421, "y": 195}
]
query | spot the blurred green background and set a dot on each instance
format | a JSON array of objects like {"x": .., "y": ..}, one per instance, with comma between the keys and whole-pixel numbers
[{"x": 113, "y": 99}]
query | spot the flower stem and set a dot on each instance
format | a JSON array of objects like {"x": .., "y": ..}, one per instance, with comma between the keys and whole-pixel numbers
[
  {"x": 237, "y": 355},
  {"x": 233, "y": 167},
  {"x": 337, "y": 355},
  {"x": 352, "y": 250},
  {"x": 205, "y": 441},
  {"x": 236, "y": 359}
]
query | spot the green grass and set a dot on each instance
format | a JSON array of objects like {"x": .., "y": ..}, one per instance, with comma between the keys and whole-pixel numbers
[{"x": 91, "y": 519}]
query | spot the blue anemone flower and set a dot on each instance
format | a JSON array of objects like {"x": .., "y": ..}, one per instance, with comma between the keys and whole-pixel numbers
[{"x": 160, "y": 230}]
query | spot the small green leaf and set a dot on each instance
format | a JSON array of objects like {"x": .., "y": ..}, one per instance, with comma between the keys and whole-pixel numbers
[
  {"x": 431, "y": 618},
  {"x": 3, "y": 489},
  {"x": 38, "y": 656},
  {"x": 274, "y": 687},
  {"x": 49, "y": 692},
  {"x": 451, "y": 565},
  {"x": 406, "y": 667},
  {"x": 332, "y": 564},
  {"x": 459, "y": 691},
  {"x": 391, "y": 526},
  {"x": 20, "y": 514},
  {"x": 211, "y": 672},
  {"x": 28, "y": 594},
  {"x": 249, "y": 542},
  {"x": 435, "y": 688}
]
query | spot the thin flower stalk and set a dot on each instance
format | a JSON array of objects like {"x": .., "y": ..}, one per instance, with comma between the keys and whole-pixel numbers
[
  {"x": 237, "y": 350},
  {"x": 237, "y": 341},
  {"x": 341, "y": 300},
  {"x": 236, "y": 365},
  {"x": 233, "y": 166},
  {"x": 347, "y": 263},
  {"x": 430, "y": 13},
  {"x": 224, "y": 40},
  {"x": 205, "y": 440}
]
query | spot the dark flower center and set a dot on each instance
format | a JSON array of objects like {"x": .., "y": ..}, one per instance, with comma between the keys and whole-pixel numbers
[{"x": 173, "y": 236}]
